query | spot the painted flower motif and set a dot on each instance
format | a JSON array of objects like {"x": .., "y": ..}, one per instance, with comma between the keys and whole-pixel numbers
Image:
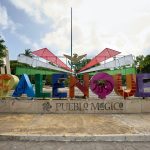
[{"x": 102, "y": 84}]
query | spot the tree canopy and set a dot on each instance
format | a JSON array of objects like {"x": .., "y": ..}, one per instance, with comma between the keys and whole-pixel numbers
[
  {"x": 3, "y": 51},
  {"x": 143, "y": 64},
  {"x": 77, "y": 66}
]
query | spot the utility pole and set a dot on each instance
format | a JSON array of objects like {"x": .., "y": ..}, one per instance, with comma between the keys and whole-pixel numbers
[{"x": 71, "y": 37}]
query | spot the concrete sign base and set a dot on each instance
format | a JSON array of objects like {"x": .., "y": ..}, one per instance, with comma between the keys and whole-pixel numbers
[{"x": 75, "y": 106}]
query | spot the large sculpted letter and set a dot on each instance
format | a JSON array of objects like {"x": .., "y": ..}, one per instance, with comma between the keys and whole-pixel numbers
[
  {"x": 130, "y": 85},
  {"x": 57, "y": 82},
  {"x": 7, "y": 82},
  {"x": 84, "y": 87},
  {"x": 39, "y": 87},
  {"x": 141, "y": 85},
  {"x": 102, "y": 84},
  {"x": 24, "y": 87}
]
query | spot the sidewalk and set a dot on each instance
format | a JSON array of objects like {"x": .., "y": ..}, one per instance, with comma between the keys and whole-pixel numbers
[{"x": 75, "y": 127}]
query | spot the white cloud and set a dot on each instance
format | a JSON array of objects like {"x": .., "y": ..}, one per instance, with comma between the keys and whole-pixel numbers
[
  {"x": 3, "y": 17},
  {"x": 35, "y": 46},
  {"x": 97, "y": 24},
  {"x": 144, "y": 38},
  {"x": 23, "y": 38},
  {"x": 26, "y": 40},
  {"x": 7, "y": 24},
  {"x": 57, "y": 39},
  {"x": 32, "y": 7},
  {"x": 5, "y": 21}
]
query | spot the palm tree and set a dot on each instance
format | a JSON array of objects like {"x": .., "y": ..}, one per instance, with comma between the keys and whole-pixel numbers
[
  {"x": 3, "y": 51},
  {"x": 28, "y": 53}
]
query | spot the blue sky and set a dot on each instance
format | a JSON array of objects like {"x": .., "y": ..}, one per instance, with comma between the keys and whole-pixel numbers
[{"x": 123, "y": 25}]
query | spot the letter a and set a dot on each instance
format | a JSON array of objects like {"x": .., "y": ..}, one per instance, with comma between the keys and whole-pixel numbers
[{"x": 24, "y": 87}]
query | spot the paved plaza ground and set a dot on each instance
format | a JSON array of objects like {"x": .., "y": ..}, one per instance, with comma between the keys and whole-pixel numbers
[
  {"x": 17, "y": 145},
  {"x": 74, "y": 125}
]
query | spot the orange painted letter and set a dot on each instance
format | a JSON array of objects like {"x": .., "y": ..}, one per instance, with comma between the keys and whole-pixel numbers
[
  {"x": 130, "y": 85},
  {"x": 84, "y": 87}
]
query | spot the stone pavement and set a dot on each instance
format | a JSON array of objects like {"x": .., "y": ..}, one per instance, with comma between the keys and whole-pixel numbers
[
  {"x": 32, "y": 145},
  {"x": 73, "y": 126}
]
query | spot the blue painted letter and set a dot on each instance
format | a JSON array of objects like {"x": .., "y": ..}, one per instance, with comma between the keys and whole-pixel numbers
[
  {"x": 57, "y": 82},
  {"x": 24, "y": 87}
]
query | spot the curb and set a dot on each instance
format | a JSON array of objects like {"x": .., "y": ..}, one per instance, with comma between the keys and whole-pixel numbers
[{"x": 87, "y": 138}]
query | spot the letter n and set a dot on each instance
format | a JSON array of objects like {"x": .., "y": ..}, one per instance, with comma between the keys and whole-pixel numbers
[{"x": 84, "y": 87}]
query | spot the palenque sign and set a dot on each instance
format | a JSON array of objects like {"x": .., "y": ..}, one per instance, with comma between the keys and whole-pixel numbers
[{"x": 101, "y": 84}]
